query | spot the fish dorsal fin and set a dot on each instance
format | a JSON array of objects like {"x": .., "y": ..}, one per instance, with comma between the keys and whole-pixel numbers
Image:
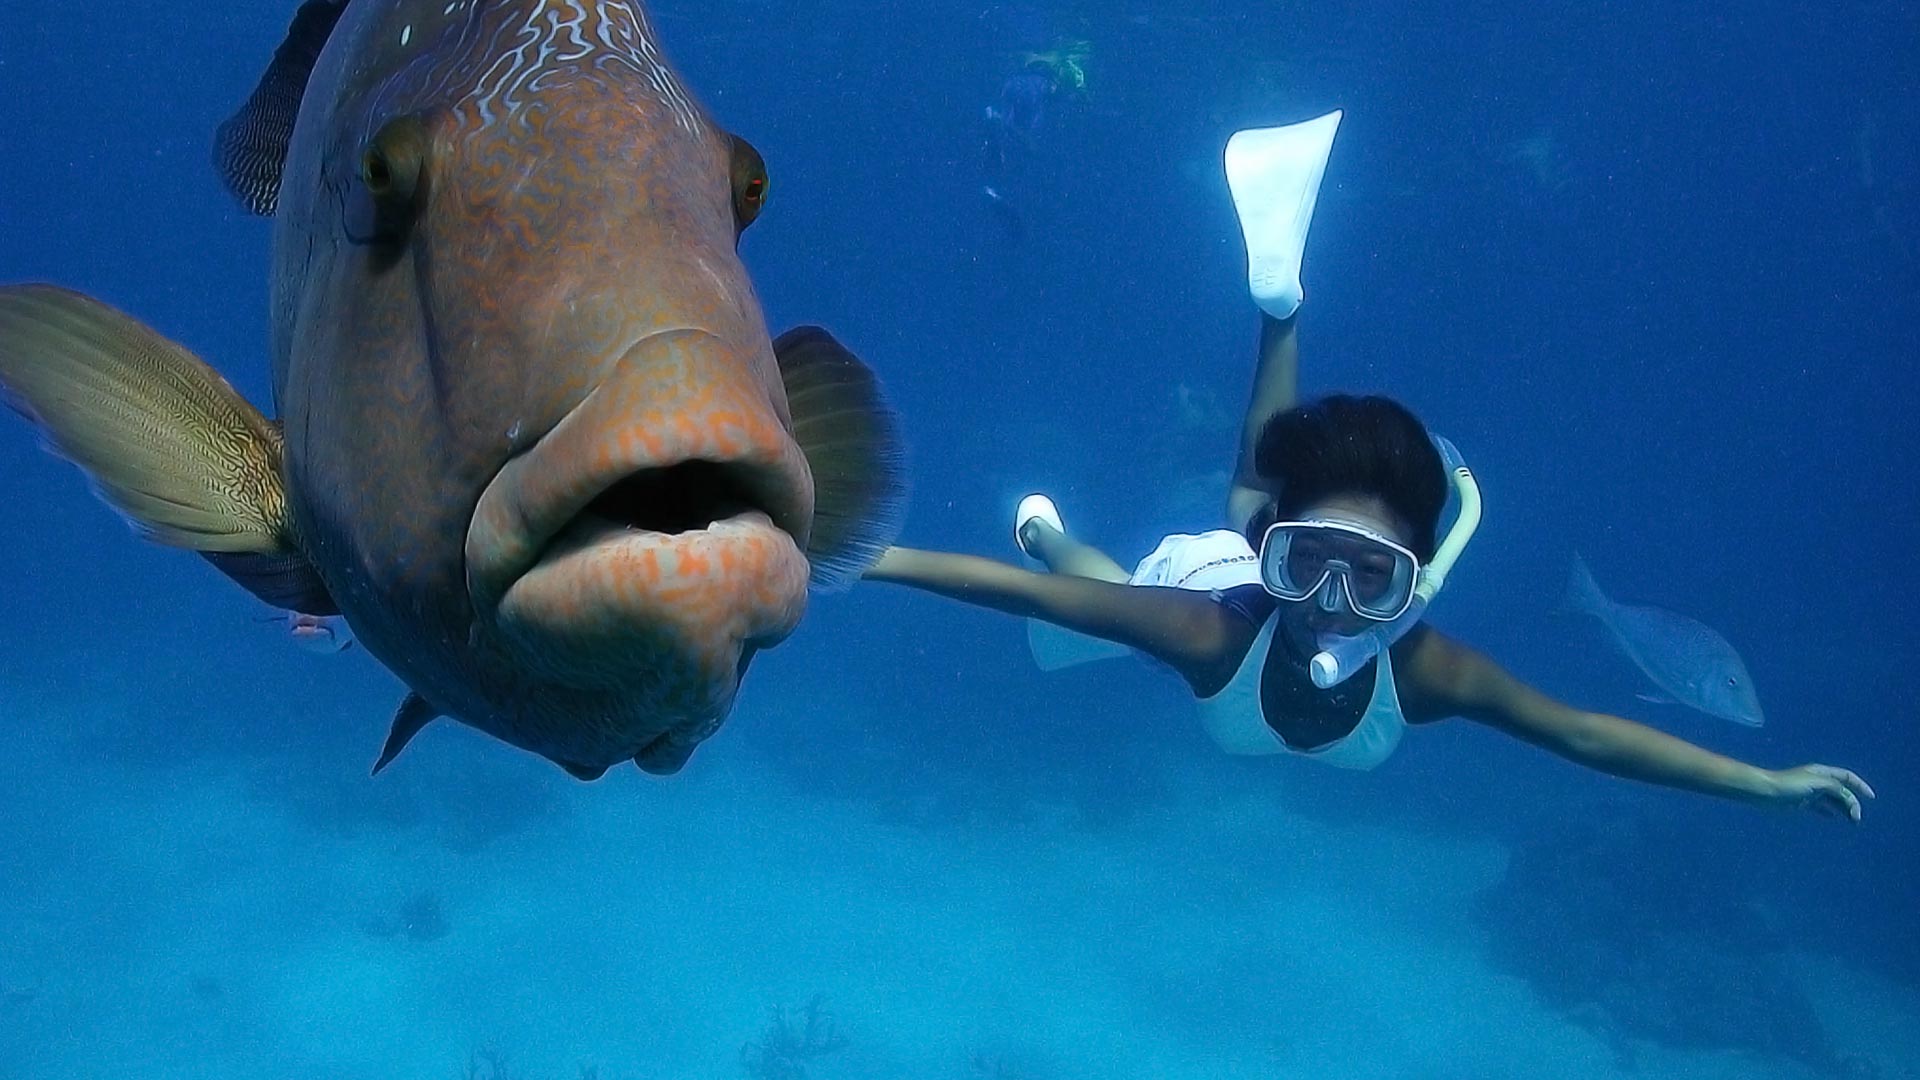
[
  {"x": 852, "y": 442},
  {"x": 251, "y": 147},
  {"x": 1583, "y": 595},
  {"x": 413, "y": 715}
]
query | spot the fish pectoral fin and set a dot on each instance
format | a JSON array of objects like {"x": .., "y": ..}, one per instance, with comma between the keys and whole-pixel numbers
[
  {"x": 852, "y": 442},
  {"x": 413, "y": 715},
  {"x": 1656, "y": 699},
  {"x": 584, "y": 773},
  {"x": 162, "y": 437},
  {"x": 250, "y": 148},
  {"x": 285, "y": 580}
]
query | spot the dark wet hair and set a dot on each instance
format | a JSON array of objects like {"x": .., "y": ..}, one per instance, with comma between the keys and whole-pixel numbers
[{"x": 1352, "y": 445}]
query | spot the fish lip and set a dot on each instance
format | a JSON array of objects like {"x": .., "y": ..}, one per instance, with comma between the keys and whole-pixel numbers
[
  {"x": 741, "y": 495},
  {"x": 606, "y": 604},
  {"x": 663, "y": 504},
  {"x": 589, "y": 532}
]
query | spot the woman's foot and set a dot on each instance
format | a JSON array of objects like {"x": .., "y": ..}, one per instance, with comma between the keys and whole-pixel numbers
[{"x": 1035, "y": 521}]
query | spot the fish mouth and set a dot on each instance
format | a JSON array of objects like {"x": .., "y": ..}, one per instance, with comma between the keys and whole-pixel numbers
[
  {"x": 686, "y": 497},
  {"x": 699, "y": 537},
  {"x": 657, "y": 531},
  {"x": 663, "y": 582}
]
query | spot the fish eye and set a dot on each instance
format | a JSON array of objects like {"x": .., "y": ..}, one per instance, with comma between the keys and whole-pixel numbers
[
  {"x": 1733, "y": 680},
  {"x": 748, "y": 177},
  {"x": 394, "y": 159},
  {"x": 376, "y": 172},
  {"x": 392, "y": 168}
]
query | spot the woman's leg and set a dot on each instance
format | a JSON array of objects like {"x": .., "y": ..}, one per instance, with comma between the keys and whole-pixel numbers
[
  {"x": 1274, "y": 176},
  {"x": 1276, "y": 388},
  {"x": 1062, "y": 554}
]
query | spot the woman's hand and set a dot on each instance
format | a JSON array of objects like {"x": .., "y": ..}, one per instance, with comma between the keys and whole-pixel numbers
[{"x": 1819, "y": 787}]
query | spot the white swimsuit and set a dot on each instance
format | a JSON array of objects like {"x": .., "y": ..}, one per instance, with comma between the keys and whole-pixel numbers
[{"x": 1220, "y": 560}]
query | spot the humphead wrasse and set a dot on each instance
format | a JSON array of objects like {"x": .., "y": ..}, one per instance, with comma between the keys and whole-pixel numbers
[{"x": 533, "y": 440}]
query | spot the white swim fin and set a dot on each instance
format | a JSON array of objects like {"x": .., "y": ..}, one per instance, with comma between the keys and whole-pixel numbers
[
  {"x": 1034, "y": 506},
  {"x": 1055, "y": 648},
  {"x": 1274, "y": 175}
]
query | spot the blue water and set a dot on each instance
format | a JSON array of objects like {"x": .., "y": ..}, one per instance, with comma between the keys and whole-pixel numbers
[{"x": 1655, "y": 267}]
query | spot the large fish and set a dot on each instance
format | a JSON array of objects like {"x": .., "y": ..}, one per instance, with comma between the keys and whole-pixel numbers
[
  {"x": 533, "y": 440},
  {"x": 1688, "y": 660}
]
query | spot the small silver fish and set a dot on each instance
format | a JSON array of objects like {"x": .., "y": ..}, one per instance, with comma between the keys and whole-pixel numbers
[
  {"x": 1689, "y": 661},
  {"x": 321, "y": 634}
]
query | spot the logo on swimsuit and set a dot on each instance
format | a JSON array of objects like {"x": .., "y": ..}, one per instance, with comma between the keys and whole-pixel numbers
[{"x": 1229, "y": 560}]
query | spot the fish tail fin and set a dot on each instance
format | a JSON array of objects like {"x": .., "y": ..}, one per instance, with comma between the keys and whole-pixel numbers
[
  {"x": 250, "y": 148},
  {"x": 161, "y": 437},
  {"x": 852, "y": 442},
  {"x": 1583, "y": 596}
]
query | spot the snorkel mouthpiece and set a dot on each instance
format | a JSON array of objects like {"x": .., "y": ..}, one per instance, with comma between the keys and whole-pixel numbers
[
  {"x": 1341, "y": 655},
  {"x": 1325, "y": 665}
]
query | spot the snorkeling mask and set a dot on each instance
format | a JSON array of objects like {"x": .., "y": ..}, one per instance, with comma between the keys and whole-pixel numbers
[
  {"x": 1338, "y": 564},
  {"x": 1345, "y": 565}
]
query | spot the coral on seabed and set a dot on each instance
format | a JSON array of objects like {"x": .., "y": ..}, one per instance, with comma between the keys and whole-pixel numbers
[{"x": 789, "y": 1043}]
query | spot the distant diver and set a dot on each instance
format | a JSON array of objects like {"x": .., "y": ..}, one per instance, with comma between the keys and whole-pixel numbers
[{"x": 1014, "y": 122}]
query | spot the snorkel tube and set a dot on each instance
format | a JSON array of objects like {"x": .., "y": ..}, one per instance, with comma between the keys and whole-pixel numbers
[{"x": 1342, "y": 655}]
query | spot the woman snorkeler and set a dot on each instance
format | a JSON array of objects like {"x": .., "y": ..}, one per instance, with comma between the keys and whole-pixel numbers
[{"x": 1335, "y": 550}]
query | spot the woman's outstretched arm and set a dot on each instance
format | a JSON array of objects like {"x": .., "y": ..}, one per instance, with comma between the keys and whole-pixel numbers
[
  {"x": 1184, "y": 629},
  {"x": 1445, "y": 678}
]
